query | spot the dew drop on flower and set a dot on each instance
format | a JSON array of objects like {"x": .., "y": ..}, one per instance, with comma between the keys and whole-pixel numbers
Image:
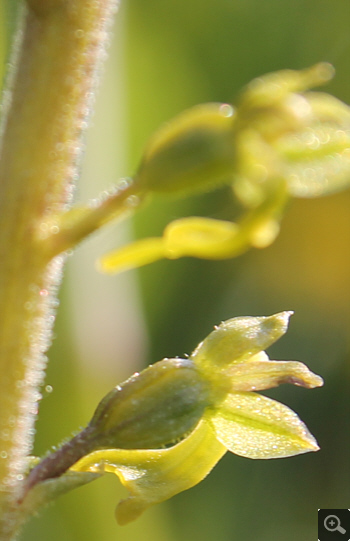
[
  {"x": 59, "y": 147},
  {"x": 79, "y": 33},
  {"x": 54, "y": 229},
  {"x": 5, "y": 434},
  {"x": 132, "y": 201},
  {"x": 124, "y": 183},
  {"x": 226, "y": 110}
]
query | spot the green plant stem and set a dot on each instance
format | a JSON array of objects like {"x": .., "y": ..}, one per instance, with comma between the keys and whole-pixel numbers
[
  {"x": 52, "y": 86},
  {"x": 64, "y": 231}
]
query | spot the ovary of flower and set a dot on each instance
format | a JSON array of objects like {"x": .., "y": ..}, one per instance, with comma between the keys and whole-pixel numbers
[{"x": 232, "y": 362}]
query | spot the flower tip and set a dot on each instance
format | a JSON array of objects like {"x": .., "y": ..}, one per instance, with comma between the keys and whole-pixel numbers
[
  {"x": 313, "y": 446},
  {"x": 286, "y": 314},
  {"x": 280, "y": 321},
  {"x": 283, "y": 317},
  {"x": 104, "y": 266},
  {"x": 129, "y": 510},
  {"x": 138, "y": 253},
  {"x": 310, "y": 443},
  {"x": 308, "y": 379},
  {"x": 100, "y": 266},
  {"x": 318, "y": 381},
  {"x": 324, "y": 72},
  {"x": 317, "y": 75}
]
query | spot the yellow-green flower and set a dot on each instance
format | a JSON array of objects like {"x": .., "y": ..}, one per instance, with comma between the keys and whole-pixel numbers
[
  {"x": 281, "y": 141},
  {"x": 163, "y": 430}
]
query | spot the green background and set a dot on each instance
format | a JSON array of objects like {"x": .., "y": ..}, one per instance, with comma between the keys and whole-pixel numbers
[{"x": 166, "y": 56}]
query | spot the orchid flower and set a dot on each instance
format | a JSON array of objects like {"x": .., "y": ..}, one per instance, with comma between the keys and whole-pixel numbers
[
  {"x": 280, "y": 142},
  {"x": 163, "y": 430}
]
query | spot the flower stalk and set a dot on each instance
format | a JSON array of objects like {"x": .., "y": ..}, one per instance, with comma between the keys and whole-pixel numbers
[{"x": 59, "y": 50}]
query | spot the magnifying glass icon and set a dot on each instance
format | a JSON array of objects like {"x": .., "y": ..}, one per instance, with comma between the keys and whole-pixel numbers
[{"x": 332, "y": 524}]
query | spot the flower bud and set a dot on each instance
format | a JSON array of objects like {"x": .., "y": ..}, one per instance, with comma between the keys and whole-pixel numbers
[
  {"x": 151, "y": 409},
  {"x": 193, "y": 151}
]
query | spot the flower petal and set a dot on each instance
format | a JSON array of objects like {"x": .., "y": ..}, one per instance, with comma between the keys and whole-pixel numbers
[
  {"x": 136, "y": 254},
  {"x": 260, "y": 373},
  {"x": 255, "y": 426},
  {"x": 238, "y": 339},
  {"x": 286, "y": 133},
  {"x": 317, "y": 158},
  {"x": 203, "y": 237},
  {"x": 274, "y": 87},
  {"x": 152, "y": 476}
]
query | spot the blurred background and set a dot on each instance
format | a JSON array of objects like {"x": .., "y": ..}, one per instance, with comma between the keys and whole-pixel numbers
[{"x": 165, "y": 56}]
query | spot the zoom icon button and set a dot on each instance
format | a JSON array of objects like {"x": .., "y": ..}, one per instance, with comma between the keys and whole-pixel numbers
[{"x": 333, "y": 524}]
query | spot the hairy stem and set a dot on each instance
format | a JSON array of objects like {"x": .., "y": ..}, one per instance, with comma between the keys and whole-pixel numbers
[
  {"x": 54, "y": 76},
  {"x": 57, "y": 463}
]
